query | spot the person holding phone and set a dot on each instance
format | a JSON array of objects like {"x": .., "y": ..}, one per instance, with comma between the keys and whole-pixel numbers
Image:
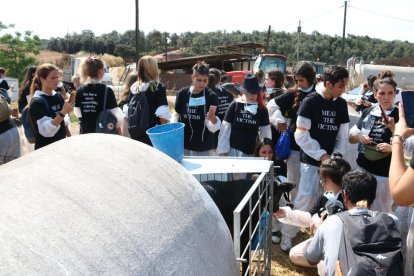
[
  {"x": 195, "y": 106},
  {"x": 373, "y": 132},
  {"x": 48, "y": 110}
]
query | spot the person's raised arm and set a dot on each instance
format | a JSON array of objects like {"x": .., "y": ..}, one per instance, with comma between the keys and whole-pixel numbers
[{"x": 401, "y": 179}]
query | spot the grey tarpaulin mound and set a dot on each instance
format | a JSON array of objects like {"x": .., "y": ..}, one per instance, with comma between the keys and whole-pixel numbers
[{"x": 107, "y": 205}]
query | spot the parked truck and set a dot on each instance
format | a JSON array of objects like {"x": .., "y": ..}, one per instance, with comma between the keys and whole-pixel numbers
[
  {"x": 359, "y": 71},
  {"x": 265, "y": 62},
  {"x": 75, "y": 62}
]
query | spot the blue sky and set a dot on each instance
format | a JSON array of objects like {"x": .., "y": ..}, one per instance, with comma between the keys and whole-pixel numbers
[{"x": 384, "y": 19}]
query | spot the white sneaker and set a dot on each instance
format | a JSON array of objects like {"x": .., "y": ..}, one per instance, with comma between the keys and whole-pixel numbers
[
  {"x": 276, "y": 237},
  {"x": 286, "y": 244}
]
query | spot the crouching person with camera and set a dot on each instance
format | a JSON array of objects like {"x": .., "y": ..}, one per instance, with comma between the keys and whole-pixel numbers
[
  {"x": 358, "y": 241},
  {"x": 330, "y": 202}
]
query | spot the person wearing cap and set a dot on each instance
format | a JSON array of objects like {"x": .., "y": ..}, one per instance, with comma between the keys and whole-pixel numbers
[
  {"x": 245, "y": 118},
  {"x": 196, "y": 107}
]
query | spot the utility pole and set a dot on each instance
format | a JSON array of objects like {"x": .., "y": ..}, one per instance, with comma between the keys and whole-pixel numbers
[
  {"x": 297, "y": 46},
  {"x": 343, "y": 37},
  {"x": 166, "y": 47},
  {"x": 136, "y": 33},
  {"x": 267, "y": 40}
]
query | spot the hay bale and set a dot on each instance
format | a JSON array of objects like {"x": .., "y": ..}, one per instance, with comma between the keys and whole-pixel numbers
[{"x": 103, "y": 204}]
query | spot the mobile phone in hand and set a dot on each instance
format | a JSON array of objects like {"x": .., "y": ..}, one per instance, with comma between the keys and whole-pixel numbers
[
  {"x": 383, "y": 115},
  {"x": 72, "y": 96},
  {"x": 212, "y": 109},
  {"x": 408, "y": 103}
]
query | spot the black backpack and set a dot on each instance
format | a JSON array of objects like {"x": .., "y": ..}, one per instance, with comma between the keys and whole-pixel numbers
[
  {"x": 370, "y": 245},
  {"x": 139, "y": 117},
  {"x": 106, "y": 121},
  {"x": 27, "y": 122}
]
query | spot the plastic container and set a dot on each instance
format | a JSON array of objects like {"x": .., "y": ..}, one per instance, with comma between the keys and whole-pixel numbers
[{"x": 169, "y": 139}]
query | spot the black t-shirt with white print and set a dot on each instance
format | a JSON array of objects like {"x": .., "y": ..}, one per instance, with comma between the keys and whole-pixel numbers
[
  {"x": 286, "y": 106},
  {"x": 4, "y": 84},
  {"x": 197, "y": 137},
  {"x": 326, "y": 118},
  {"x": 90, "y": 100},
  {"x": 379, "y": 134},
  {"x": 245, "y": 126},
  {"x": 38, "y": 110},
  {"x": 224, "y": 99}
]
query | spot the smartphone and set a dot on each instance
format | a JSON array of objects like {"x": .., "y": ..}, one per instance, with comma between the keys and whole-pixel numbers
[
  {"x": 212, "y": 109},
  {"x": 383, "y": 115},
  {"x": 408, "y": 102},
  {"x": 72, "y": 96}
]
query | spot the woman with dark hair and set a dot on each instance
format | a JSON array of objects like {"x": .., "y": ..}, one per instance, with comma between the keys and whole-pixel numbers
[
  {"x": 367, "y": 94},
  {"x": 24, "y": 91},
  {"x": 274, "y": 84},
  {"x": 265, "y": 149},
  {"x": 322, "y": 127},
  {"x": 196, "y": 107},
  {"x": 283, "y": 113},
  {"x": 224, "y": 97},
  {"x": 373, "y": 132},
  {"x": 48, "y": 110}
]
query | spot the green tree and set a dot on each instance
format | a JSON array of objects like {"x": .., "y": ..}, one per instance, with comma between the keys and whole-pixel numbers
[{"x": 15, "y": 55}]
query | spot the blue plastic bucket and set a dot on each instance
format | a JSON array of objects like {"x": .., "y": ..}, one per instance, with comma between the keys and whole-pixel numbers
[{"x": 169, "y": 139}]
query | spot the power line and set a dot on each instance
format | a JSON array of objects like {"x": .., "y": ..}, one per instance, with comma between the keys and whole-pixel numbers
[
  {"x": 384, "y": 15},
  {"x": 309, "y": 19}
]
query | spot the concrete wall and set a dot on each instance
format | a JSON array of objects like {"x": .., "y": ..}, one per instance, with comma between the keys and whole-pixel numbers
[{"x": 106, "y": 205}]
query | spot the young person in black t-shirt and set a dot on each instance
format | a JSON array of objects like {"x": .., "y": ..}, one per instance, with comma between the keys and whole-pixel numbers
[
  {"x": 283, "y": 113},
  {"x": 48, "y": 110},
  {"x": 196, "y": 107},
  {"x": 373, "y": 134},
  {"x": 90, "y": 96},
  {"x": 224, "y": 97},
  {"x": 148, "y": 82},
  {"x": 3, "y": 82},
  {"x": 245, "y": 118},
  {"x": 24, "y": 91},
  {"x": 321, "y": 128}
]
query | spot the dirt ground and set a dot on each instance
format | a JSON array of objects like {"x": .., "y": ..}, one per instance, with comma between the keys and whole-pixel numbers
[{"x": 281, "y": 264}]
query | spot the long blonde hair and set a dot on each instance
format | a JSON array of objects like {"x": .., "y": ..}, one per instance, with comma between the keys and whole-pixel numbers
[{"x": 148, "y": 69}]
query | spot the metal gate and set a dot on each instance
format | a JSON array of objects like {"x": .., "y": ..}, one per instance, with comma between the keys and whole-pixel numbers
[{"x": 257, "y": 252}]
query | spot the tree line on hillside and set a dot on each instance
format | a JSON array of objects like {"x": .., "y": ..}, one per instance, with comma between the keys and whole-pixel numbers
[
  {"x": 314, "y": 46},
  {"x": 17, "y": 49}
]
